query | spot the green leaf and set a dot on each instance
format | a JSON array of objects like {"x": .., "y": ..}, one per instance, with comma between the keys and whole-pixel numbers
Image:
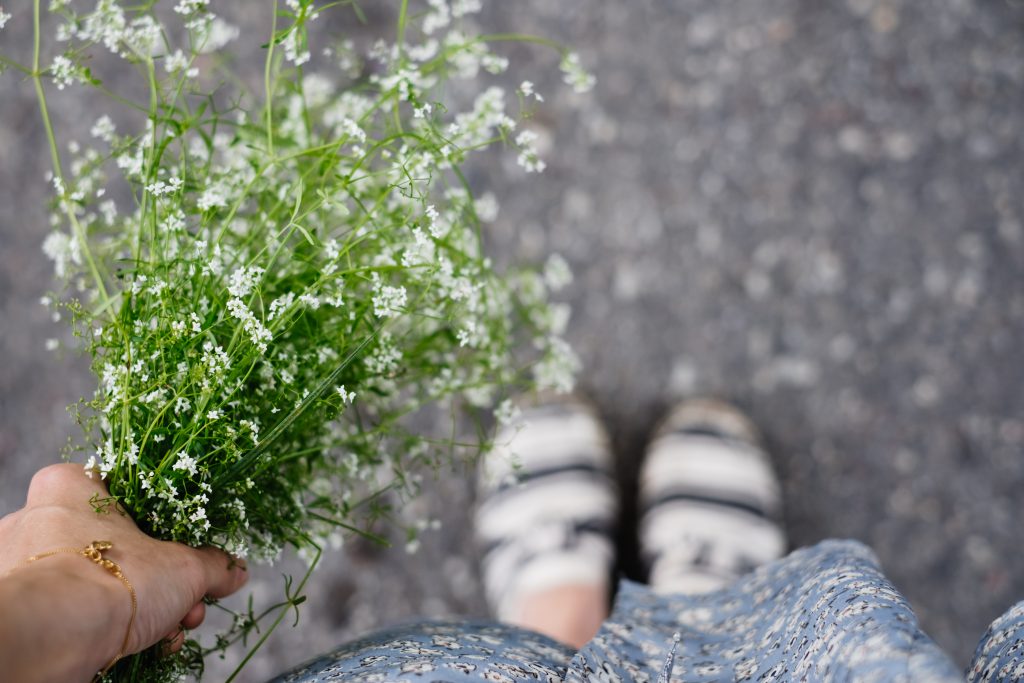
[{"x": 305, "y": 233}]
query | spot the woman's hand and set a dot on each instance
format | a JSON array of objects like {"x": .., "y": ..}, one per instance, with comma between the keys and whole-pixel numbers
[{"x": 170, "y": 579}]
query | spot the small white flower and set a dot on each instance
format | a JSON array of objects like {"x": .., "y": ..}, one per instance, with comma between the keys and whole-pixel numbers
[
  {"x": 103, "y": 129},
  {"x": 526, "y": 88},
  {"x": 507, "y": 413},
  {"x": 528, "y": 157},
  {"x": 133, "y": 454},
  {"x": 108, "y": 210},
  {"x": 161, "y": 188},
  {"x": 280, "y": 304},
  {"x": 143, "y": 35},
  {"x": 387, "y": 300},
  {"x": 214, "y": 35},
  {"x": 293, "y": 51},
  {"x": 178, "y": 62},
  {"x": 243, "y": 280},
  {"x": 4, "y": 17},
  {"x": 346, "y": 396},
  {"x": 254, "y": 429},
  {"x": 213, "y": 415},
  {"x": 199, "y": 517},
  {"x": 557, "y": 370},
  {"x": 63, "y": 250},
  {"x": 494, "y": 64},
  {"x": 557, "y": 273},
  {"x": 432, "y": 226},
  {"x": 423, "y": 52},
  {"x": 190, "y": 6},
  {"x": 461, "y": 8},
  {"x": 487, "y": 207},
  {"x": 187, "y": 463},
  {"x": 471, "y": 335},
  {"x": 438, "y": 17},
  {"x": 52, "y": 344},
  {"x": 258, "y": 333},
  {"x": 65, "y": 72},
  {"x": 575, "y": 75},
  {"x": 213, "y": 197}
]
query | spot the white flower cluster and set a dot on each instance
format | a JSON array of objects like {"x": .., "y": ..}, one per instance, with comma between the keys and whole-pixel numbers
[
  {"x": 575, "y": 75},
  {"x": 103, "y": 129},
  {"x": 179, "y": 62},
  {"x": 63, "y": 250},
  {"x": 346, "y": 396},
  {"x": 214, "y": 35},
  {"x": 528, "y": 157},
  {"x": 138, "y": 38},
  {"x": 190, "y": 6},
  {"x": 388, "y": 301},
  {"x": 259, "y": 335},
  {"x": 65, "y": 72},
  {"x": 162, "y": 188}
]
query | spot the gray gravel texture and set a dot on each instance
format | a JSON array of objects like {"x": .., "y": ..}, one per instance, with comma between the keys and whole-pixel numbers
[{"x": 812, "y": 209}]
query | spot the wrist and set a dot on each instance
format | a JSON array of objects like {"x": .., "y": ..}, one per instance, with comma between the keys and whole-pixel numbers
[{"x": 69, "y": 618}]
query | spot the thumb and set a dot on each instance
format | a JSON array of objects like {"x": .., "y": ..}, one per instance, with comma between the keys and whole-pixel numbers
[{"x": 223, "y": 573}]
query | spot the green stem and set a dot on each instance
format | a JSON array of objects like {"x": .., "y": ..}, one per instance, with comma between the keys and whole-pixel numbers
[
  {"x": 37, "y": 79},
  {"x": 267, "y": 86},
  {"x": 4, "y": 61},
  {"x": 368, "y": 535},
  {"x": 292, "y": 602},
  {"x": 151, "y": 171},
  {"x": 403, "y": 16}
]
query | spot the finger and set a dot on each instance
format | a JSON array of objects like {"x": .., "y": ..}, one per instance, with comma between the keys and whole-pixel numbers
[
  {"x": 195, "y": 616},
  {"x": 224, "y": 574},
  {"x": 173, "y": 641}
]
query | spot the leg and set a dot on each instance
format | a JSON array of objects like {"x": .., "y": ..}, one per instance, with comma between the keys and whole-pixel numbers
[{"x": 570, "y": 614}]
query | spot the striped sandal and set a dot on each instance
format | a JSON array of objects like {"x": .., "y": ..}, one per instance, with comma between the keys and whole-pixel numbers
[
  {"x": 546, "y": 506},
  {"x": 710, "y": 502}
]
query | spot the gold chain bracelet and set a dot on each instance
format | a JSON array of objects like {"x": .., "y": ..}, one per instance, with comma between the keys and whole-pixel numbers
[{"x": 94, "y": 553}]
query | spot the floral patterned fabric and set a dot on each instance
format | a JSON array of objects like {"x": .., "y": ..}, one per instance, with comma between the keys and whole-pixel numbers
[
  {"x": 441, "y": 651},
  {"x": 825, "y": 613},
  {"x": 1000, "y": 654}
]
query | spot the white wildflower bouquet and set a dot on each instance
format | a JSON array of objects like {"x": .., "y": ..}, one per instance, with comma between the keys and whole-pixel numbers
[{"x": 270, "y": 280}]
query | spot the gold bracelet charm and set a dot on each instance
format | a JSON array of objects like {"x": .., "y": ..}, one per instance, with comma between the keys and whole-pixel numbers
[{"x": 94, "y": 553}]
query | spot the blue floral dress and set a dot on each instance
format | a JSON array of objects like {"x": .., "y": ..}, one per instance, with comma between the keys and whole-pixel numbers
[{"x": 825, "y": 613}]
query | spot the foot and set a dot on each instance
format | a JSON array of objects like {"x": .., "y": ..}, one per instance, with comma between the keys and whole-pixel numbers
[
  {"x": 546, "y": 509},
  {"x": 710, "y": 502}
]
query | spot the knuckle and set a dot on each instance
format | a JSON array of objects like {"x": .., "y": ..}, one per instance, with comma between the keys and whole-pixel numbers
[
  {"x": 192, "y": 568},
  {"x": 49, "y": 477}
]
